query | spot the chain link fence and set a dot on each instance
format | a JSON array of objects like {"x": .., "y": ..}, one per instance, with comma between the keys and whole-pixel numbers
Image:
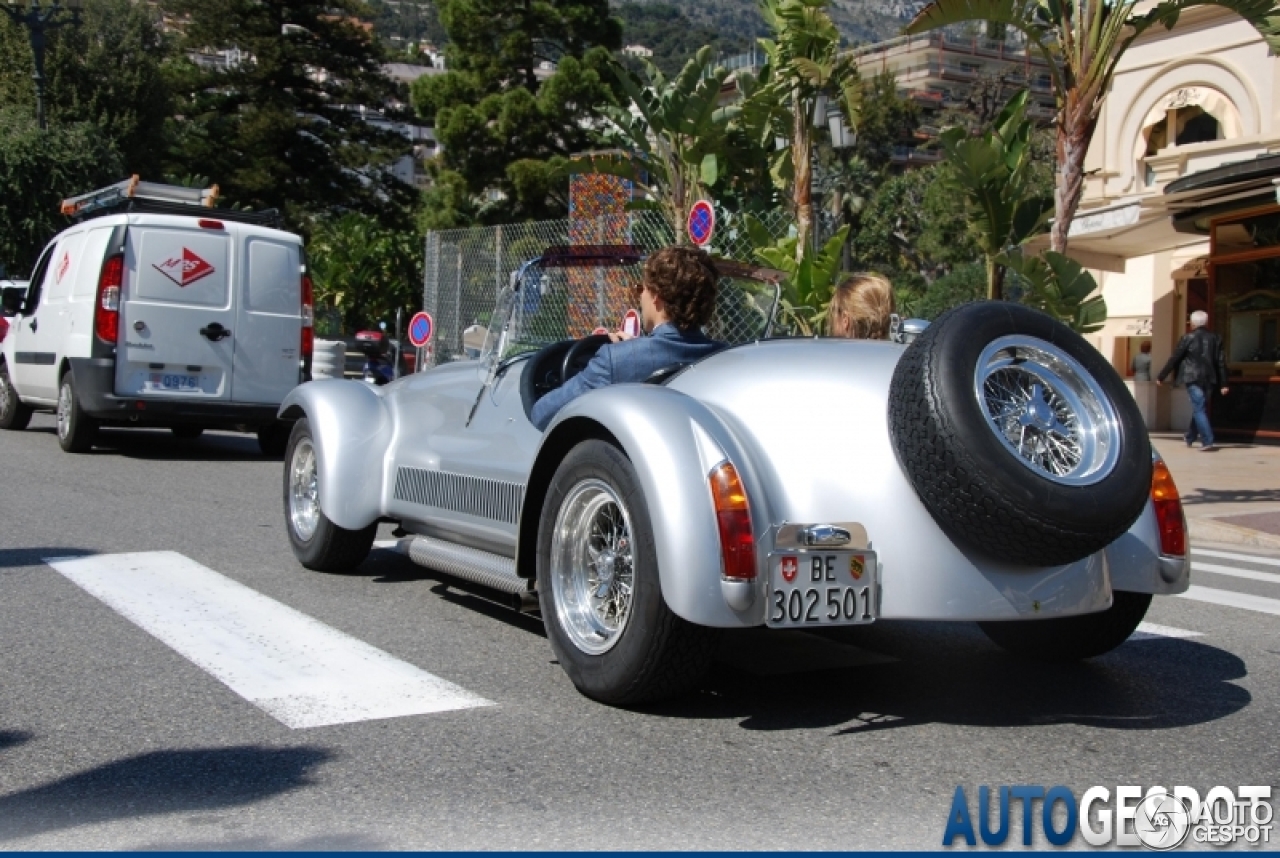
[{"x": 466, "y": 270}]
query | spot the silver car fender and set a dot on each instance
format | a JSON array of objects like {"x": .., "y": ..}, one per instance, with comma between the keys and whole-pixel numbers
[
  {"x": 351, "y": 428},
  {"x": 674, "y": 442}
]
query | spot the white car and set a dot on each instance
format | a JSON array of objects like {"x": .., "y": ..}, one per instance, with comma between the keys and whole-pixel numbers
[{"x": 155, "y": 311}]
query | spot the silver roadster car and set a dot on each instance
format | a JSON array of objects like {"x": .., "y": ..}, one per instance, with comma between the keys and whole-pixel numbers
[{"x": 995, "y": 469}]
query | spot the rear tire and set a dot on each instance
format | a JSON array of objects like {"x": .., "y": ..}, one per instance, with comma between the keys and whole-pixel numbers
[
  {"x": 1072, "y": 638},
  {"x": 13, "y": 414},
  {"x": 273, "y": 439},
  {"x": 317, "y": 542},
  {"x": 599, "y": 589},
  {"x": 187, "y": 433},
  {"x": 76, "y": 430}
]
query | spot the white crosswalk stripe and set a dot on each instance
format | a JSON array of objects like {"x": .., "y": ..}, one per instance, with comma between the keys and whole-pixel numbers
[
  {"x": 293, "y": 667},
  {"x": 1236, "y": 572},
  {"x": 1231, "y": 555},
  {"x": 1232, "y": 599},
  {"x": 1150, "y": 631}
]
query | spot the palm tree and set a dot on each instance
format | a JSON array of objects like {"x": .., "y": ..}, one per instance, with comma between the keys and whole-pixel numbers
[
  {"x": 990, "y": 174},
  {"x": 804, "y": 64},
  {"x": 670, "y": 138},
  {"x": 1082, "y": 41}
]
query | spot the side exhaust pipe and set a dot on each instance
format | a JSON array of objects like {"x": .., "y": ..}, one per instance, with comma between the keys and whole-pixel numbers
[{"x": 471, "y": 564}]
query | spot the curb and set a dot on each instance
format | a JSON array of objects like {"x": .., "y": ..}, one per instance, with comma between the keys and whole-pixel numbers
[{"x": 1209, "y": 530}]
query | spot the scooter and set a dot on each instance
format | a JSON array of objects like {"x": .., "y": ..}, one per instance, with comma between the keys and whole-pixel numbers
[{"x": 382, "y": 355}]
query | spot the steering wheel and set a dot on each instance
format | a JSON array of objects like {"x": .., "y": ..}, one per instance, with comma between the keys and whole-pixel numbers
[{"x": 580, "y": 354}]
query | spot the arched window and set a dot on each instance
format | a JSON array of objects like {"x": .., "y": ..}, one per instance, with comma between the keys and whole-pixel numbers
[{"x": 1184, "y": 117}]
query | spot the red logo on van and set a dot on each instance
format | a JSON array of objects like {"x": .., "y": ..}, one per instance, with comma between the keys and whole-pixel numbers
[
  {"x": 62, "y": 267},
  {"x": 185, "y": 270}
]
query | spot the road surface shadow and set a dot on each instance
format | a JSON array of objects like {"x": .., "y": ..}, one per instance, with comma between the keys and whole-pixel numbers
[
  {"x": 1203, "y": 496},
  {"x": 948, "y": 673},
  {"x": 13, "y": 558},
  {"x": 204, "y": 779},
  {"x": 13, "y": 738},
  {"x": 163, "y": 445}
]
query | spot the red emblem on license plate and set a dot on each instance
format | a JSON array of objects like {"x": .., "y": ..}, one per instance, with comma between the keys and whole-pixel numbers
[
  {"x": 185, "y": 270},
  {"x": 856, "y": 567},
  {"x": 790, "y": 566}
]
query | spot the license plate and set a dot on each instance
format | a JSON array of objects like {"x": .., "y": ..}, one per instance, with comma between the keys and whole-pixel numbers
[
  {"x": 173, "y": 381},
  {"x": 822, "y": 588}
]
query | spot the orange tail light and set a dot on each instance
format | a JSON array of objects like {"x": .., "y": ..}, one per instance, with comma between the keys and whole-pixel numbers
[
  {"x": 1168, "y": 505},
  {"x": 733, "y": 516}
]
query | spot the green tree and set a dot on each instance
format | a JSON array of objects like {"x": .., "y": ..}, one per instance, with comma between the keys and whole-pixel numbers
[
  {"x": 109, "y": 70},
  {"x": 885, "y": 120},
  {"x": 38, "y": 169},
  {"x": 280, "y": 124},
  {"x": 991, "y": 173},
  {"x": 671, "y": 35},
  {"x": 518, "y": 99},
  {"x": 362, "y": 271},
  {"x": 1083, "y": 41},
  {"x": 671, "y": 136},
  {"x": 805, "y": 64}
]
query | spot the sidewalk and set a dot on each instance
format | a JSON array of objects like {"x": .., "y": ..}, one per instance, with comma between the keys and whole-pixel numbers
[{"x": 1231, "y": 494}]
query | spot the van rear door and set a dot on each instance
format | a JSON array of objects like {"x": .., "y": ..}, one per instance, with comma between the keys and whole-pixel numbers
[
  {"x": 269, "y": 319},
  {"x": 177, "y": 324}
]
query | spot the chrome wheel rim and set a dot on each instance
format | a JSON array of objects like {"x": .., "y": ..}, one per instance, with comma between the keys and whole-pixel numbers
[
  {"x": 593, "y": 566},
  {"x": 1047, "y": 410},
  {"x": 64, "y": 410},
  {"x": 304, "y": 506}
]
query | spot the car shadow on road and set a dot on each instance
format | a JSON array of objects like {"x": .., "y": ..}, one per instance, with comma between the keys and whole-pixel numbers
[
  {"x": 948, "y": 673},
  {"x": 163, "y": 445},
  {"x": 13, "y": 558},
  {"x": 161, "y": 782}
]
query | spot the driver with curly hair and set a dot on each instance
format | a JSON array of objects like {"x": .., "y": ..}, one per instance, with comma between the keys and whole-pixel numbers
[{"x": 677, "y": 295}]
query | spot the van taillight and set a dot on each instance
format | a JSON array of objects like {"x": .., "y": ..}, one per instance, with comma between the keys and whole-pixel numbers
[
  {"x": 308, "y": 318},
  {"x": 106, "y": 312},
  {"x": 1169, "y": 516},
  {"x": 733, "y": 517}
]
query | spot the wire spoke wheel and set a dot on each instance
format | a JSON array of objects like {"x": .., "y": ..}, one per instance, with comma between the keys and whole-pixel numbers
[
  {"x": 593, "y": 566},
  {"x": 304, "y": 507},
  {"x": 1047, "y": 410}
]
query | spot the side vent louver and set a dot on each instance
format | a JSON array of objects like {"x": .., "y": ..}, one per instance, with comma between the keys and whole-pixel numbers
[{"x": 492, "y": 499}]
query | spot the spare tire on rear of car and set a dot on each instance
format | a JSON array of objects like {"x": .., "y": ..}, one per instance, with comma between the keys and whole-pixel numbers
[{"x": 1018, "y": 436}]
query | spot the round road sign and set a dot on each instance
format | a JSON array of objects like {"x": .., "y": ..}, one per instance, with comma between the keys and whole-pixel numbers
[
  {"x": 421, "y": 327},
  {"x": 702, "y": 222}
]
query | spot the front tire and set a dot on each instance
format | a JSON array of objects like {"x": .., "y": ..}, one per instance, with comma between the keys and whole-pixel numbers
[
  {"x": 317, "y": 542},
  {"x": 599, "y": 589},
  {"x": 13, "y": 414},
  {"x": 76, "y": 430},
  {"x": 1072, "y": 638}
]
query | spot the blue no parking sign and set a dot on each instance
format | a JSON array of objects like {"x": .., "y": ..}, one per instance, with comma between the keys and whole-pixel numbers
[
  {"x": 421, "y": 327},
  {"x": 702, "y": 222}
]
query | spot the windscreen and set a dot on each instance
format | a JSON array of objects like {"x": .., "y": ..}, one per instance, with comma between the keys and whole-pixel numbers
[{"x": 549, "y": 303}]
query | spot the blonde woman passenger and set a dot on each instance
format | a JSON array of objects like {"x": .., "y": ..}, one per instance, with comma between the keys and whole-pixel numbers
[{"x": 861, "y": 307}]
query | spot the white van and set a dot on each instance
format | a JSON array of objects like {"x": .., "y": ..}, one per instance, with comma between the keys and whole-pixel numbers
[{"x": 159, "y": 312}]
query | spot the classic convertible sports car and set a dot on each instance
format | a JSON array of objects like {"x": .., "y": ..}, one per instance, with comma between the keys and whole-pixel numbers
[{"x": 995, "y": 469}]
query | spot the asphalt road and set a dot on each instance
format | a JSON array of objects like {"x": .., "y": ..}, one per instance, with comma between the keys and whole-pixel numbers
[{"x": 110, "y": 738}]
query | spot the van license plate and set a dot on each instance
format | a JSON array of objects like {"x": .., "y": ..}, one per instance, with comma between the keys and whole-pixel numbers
[
  {"x": 173, "y": 381},
  {"x": 822, "y": 588}
]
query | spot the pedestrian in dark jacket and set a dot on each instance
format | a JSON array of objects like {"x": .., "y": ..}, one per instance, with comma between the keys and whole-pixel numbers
[{"x": 1201, "y": 366}]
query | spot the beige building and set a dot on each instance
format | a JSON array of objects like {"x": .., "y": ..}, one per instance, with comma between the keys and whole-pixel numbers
[{"x": 1180, "y": 213}]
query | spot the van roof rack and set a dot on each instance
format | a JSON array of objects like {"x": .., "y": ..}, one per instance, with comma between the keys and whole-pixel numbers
[
  {"x": 134, "y": 195},
  {"x": 134, "y": 189}
]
